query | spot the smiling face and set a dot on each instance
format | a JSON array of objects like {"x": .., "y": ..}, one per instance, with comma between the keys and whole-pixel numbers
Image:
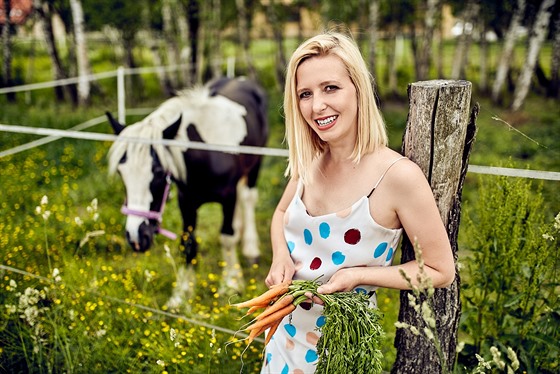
[{"x": 327, "y": 98}]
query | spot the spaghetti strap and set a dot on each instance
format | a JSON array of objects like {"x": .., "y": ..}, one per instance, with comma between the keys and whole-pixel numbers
[{"x": 383, "y": 175}]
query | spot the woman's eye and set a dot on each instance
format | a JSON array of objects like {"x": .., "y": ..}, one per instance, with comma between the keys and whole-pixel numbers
[
  {"x": 304, "y": 95},
  {"x": 331, "y": 88}
]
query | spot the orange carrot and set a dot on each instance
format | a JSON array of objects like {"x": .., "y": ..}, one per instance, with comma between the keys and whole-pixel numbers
[
  {"x": 279, "y": 304},
  {"x": 272, "y": 330},
  {"x": 266, "y": 297},
  {"x": 254, "y": 333},
  {"x": 268, "y": 320}
]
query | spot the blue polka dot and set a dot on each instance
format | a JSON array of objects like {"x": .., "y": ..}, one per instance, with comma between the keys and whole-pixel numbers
[
  {"x": 310, "y": 356},
  {"x": 338, "y": 258},
  {"x": 290, "y": 329},
  {"x": 286, "y": 369},
  {"x": 324, "y": 230},
  {"x": 307, "y": 236},
  {"x": 268, "y": 357},
  {"x": 321, "y": 321},
  {"x": 380, "y": 249},
  {"x": 361, "y": 290},
  {"x": 291, "y": 246},
  {"x": 390, "y": 254}
]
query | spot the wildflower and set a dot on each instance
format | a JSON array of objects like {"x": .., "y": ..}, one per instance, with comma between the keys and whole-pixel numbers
[
  {"x": 428, "y": 316},
  {"x": 429, "y": 334},
  {"x": 496, "y": 354},
  {"x": 44, "y": 200},
  {"x": 148, "y": 275},
  {"x": 78, "y": 221},
  {"x": 548, "y": 237},
  {"x": 13, "y": 284},
  {"x": 11, "y": 308},
  {"x": 160, "y": 363},
  {"x": 56, "y": 275},
  {"x": 512, "y": 355}
]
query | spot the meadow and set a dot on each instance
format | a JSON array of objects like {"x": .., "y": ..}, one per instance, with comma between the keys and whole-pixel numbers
[{"x": 76, "y": 299}]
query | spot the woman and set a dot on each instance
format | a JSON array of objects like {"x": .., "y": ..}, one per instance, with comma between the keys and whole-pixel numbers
[{"x": 348, "y": 199}]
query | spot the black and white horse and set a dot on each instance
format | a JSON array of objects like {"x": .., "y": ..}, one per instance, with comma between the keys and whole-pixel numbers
[{"x": 224, "y": 112}]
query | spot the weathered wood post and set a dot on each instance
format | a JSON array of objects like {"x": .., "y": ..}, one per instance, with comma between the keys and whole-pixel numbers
[{"x": 438, "y": 137}]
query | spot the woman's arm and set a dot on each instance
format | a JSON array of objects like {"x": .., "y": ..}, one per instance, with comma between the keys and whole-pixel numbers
[{"x": 282, "y": 267}]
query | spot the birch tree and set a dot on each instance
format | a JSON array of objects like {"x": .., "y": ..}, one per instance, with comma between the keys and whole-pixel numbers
[
  {"x": 44, "y": 11},
  {"x": 507, "y": 51},
  {"x": 244, "y": 38},
  {"x": 554, "y": 87},
  {"x": 538, "y": 34},
  {"x": 373, "y": 26},
  {"x": 81, "y": 51},
  {"x": 7, "y": 49},
  {"x": 275, "y": 19},
  {"x": 423, "y": 37},
  {"x": 460, "y": 59}
]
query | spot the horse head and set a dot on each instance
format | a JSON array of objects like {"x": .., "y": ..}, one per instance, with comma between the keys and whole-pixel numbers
[{"x": 146, "y": 179}]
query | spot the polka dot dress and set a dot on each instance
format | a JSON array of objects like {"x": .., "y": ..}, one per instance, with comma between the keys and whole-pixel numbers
[{"x": 320, "y": 246}]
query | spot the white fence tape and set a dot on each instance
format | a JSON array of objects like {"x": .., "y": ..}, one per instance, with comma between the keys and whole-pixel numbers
[{"x": 53, "y": 134}]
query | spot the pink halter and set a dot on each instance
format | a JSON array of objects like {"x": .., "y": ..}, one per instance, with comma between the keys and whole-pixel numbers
[{"x": 151, "y": 214}]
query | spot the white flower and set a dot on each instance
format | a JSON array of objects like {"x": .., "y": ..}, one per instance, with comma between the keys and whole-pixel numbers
[
  {"x": 513, "y": 357},
  {"x": 172, "y": 334},
  {"x": 11, "y": 308},
  {"x": 46, "y": 214},
  {"x": 78, "y": 221},
  {"x": 56, "y": 275},
  {"x": 160, "y": 363},
  {"x": 13, "y": 284},
  {"x": 148, "y": 275},
  {"x": 44, "y": 200}
]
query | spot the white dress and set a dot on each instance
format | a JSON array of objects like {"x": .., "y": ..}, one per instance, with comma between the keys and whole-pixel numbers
[{"x": 319, "y": 246}]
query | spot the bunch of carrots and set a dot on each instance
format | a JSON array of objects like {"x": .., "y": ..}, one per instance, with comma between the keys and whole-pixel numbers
[
  {"x": 276, "y": 303},
  {"x": 350, "y": 338}
]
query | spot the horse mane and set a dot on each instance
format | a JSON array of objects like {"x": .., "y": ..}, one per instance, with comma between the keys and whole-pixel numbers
[{"x": 152, "y": 126}]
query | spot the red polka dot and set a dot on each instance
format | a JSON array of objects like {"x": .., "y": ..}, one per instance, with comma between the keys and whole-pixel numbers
[
  {"x": 316, "y": 263},
  {"x": 352, "y": 236}
]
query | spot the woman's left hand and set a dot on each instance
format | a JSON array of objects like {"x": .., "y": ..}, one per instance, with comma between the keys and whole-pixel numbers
[{"x": 343, "y": 280}]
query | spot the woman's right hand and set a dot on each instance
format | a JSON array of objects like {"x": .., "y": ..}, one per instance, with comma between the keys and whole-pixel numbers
[{"x": 281, "y": 270}]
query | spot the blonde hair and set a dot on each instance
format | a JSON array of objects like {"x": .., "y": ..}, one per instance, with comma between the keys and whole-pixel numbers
[{"x": 303, "y": 143}]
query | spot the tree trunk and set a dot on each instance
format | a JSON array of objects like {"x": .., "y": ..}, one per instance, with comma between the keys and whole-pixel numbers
[
  {"x": 373, "y": 37},
  {"x": 392, "y": 63},
  {"x": 215, "y": 54},
  {"x": 193, "y": 21},
  {"x": 505, "y": 58},
  {"x": 7, "y": 51},
  {"x": 538, "y": 34},
  {"x": 81, "y": 52},
  {"x": 483, "y": 74},
  {"x": 554, "y": 87},
  {"x": 244, "y": 39},
  {"x": 438, "y": 137},
  {"x": 45, "y": 18},
  {"x": 277, "y": 27},
  {"x": 422, "y": 42},
  {"x": 460, "y": 59}
]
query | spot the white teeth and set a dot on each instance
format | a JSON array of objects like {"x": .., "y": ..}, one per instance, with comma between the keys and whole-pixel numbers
[{"x": 326, "y": 121}]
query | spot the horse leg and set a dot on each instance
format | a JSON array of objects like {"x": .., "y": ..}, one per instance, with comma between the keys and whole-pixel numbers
[
  {"x": 184, "y": 286},
  {"x": 184, "y": 272},
  {"x": 249, "y": 195},
  {"x": 248, "y": 198},
  {"x": 189, "y": 244},
  {"x": 232, "y": 276}
]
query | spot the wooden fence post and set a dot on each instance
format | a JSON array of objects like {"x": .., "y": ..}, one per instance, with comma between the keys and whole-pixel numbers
[{"x": 438, "y": 137}]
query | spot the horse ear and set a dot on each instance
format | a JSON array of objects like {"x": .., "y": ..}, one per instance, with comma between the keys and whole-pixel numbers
[
  {"x": 116, "y": 125},
  {"x": 171, "y": 131}
]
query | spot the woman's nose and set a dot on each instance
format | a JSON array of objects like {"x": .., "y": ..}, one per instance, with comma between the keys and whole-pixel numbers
[{"x": 318, "y": 104}]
